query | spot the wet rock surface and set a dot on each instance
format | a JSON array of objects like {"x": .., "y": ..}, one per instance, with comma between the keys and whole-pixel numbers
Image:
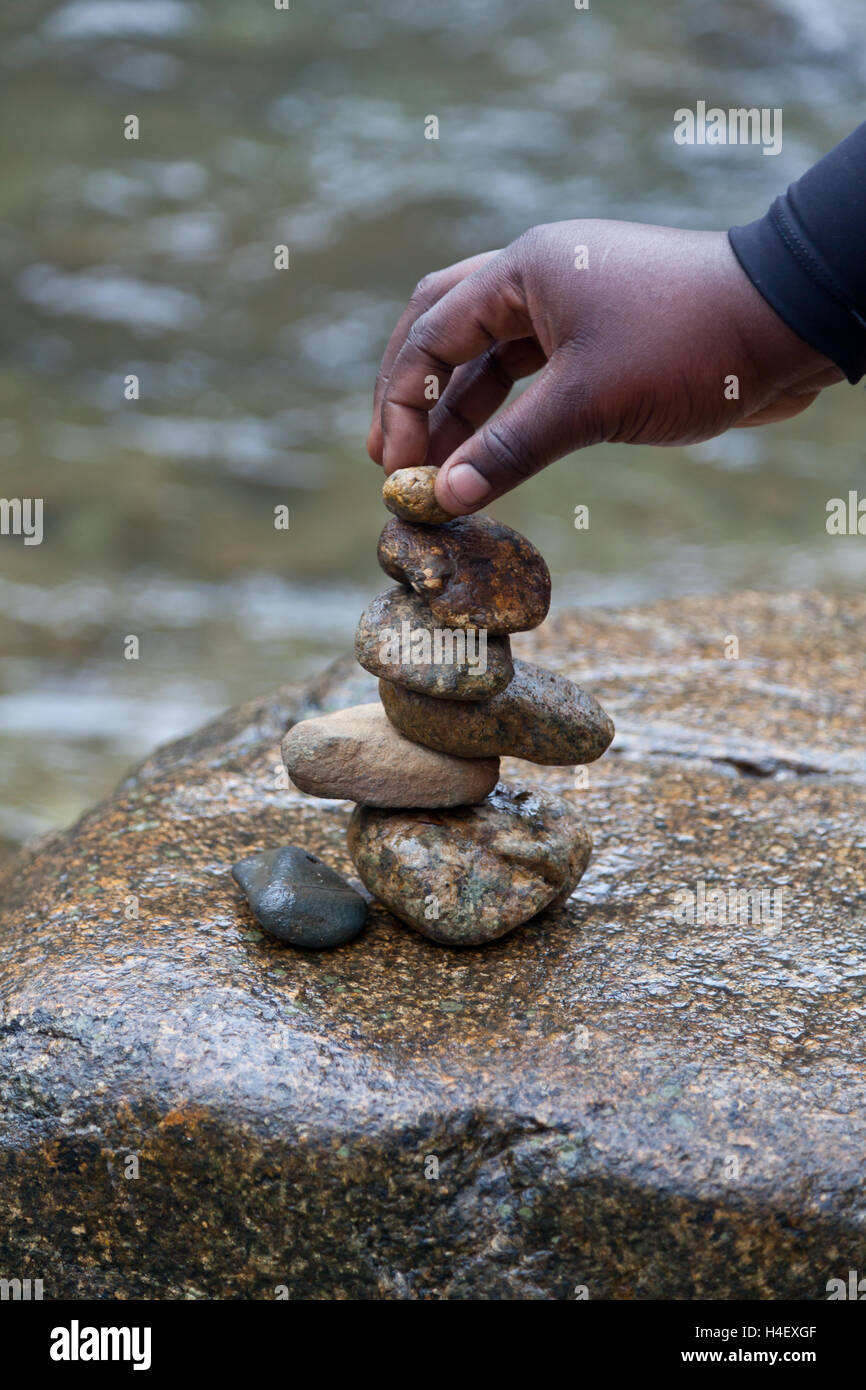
[
  {"x": 358, "y": 755},
  {"x": 423, "y": 656},
  {"x": 473, "y": 570},
  {"x": 410, "y": 493},
  {"x": 584, "y": 1083},
  {"x": 298, "y": 899},
  {"x": 541, "y": 716},
  {"x": 470, "y": 875}
]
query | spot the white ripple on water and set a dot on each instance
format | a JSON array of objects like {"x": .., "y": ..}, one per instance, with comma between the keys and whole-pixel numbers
[
  {"x": 260, "y": 450},
  {"x": 136, "y": 723},
  {"x": 110, "y": 19},
  {"x": 110, "y": 298},
  {"x": 262, "y": 607},
  {"x": 123, "y": 193},
  {"x": 264, "y": 451},
  {"x": 144, "y": 70}
]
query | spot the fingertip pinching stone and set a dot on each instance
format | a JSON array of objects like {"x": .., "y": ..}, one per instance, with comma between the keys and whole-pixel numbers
[{"x": 410, "y": 493}]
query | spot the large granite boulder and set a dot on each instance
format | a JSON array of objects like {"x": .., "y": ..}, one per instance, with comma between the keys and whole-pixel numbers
[{"x": 639, "y": 1095}]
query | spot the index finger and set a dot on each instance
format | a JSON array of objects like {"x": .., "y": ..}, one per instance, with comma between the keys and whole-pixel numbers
[
  {"x": 487, "y": 307},
  {"x": 426, "y": 293}
]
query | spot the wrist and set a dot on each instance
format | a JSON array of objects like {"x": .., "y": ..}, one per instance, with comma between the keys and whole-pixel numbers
[{"x": 779, "y": 356}]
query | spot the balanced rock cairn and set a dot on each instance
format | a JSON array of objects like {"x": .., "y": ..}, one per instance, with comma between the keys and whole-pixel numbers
[{"x": 435, "y": 836}]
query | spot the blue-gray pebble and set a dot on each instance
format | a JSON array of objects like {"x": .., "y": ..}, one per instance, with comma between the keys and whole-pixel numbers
[{"x": 298, "y": 899}]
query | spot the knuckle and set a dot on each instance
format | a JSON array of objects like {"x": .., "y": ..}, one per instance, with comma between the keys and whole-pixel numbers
[
  {"x": 533, "y": 233},
  {"x": 521, "y": 260},
  {"x": 380, "y": 383},
  {"x": 495, "y": 365},
  {"x": 380, "y": 395},
  {"x": 427, "y": 289},
  {"x": 529, "y": 242},
  {"x": 421, "y": 341},
  {"x": 418, "y": 336},
  {"x": 507, "y": 450},
  {"x": 456, "y": 414}
]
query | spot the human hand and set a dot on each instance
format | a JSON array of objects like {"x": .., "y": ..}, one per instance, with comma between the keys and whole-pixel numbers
[{"x": 639, "y": 347}]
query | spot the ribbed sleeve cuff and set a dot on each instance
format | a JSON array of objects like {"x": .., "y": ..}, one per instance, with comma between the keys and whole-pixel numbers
[{"x": 786, "y": 269}]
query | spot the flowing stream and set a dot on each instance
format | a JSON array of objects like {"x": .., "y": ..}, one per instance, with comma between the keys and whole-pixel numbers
[{"x": 154, "y": 258}]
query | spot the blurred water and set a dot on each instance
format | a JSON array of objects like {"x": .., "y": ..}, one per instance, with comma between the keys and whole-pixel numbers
[{"x": 155, "y": 258}]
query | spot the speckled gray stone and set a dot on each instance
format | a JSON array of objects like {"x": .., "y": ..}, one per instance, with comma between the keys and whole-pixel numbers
[
  {"x": 298, "y": 899},
  {"x": 471, "y": 665},
  {"x": 539, "y": 716},
  {"x": 467, "y": 876}
]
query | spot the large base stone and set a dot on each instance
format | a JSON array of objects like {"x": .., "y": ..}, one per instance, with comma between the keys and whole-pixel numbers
[{"x": 614, "y": 1097}]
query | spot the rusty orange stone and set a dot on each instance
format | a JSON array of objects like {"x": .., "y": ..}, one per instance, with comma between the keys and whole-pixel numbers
[{"x": 473, "y": 572}]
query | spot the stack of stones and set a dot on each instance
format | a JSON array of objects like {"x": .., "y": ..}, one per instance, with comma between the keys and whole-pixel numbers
[{"x": 435, "y": 836}]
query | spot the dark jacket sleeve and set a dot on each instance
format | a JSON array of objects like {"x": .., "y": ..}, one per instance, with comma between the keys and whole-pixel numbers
[{"x": 807, "y": 256}]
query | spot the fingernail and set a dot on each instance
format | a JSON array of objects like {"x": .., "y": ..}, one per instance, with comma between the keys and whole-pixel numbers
[{"x": 468, "y": 485}]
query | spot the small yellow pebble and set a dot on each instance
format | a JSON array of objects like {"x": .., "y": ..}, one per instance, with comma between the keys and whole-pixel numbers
[{"x": 410, "y": 494}]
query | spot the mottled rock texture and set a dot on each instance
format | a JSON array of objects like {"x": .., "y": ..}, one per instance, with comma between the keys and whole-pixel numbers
[
  {"x": 584, "y": 1082},
  {"x": 410, "y": 493},
  {"x": 298, "y": 899},
  {"x": 472, "y": 571},
  {"x": 541, "y": 716},
  {"x": 424, "y": 657},
  {"x": 468, "y": 876},
  {"x": 357, "y": 755}
]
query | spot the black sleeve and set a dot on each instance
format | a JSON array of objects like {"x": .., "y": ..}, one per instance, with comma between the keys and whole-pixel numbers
[{"x": 807, "y": 256}]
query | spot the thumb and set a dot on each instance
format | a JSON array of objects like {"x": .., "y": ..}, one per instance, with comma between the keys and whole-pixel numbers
[{"x": 549, "y": 419}]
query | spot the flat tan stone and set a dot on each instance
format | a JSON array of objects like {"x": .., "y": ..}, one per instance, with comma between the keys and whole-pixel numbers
[{"x": 356, "y": 754}]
